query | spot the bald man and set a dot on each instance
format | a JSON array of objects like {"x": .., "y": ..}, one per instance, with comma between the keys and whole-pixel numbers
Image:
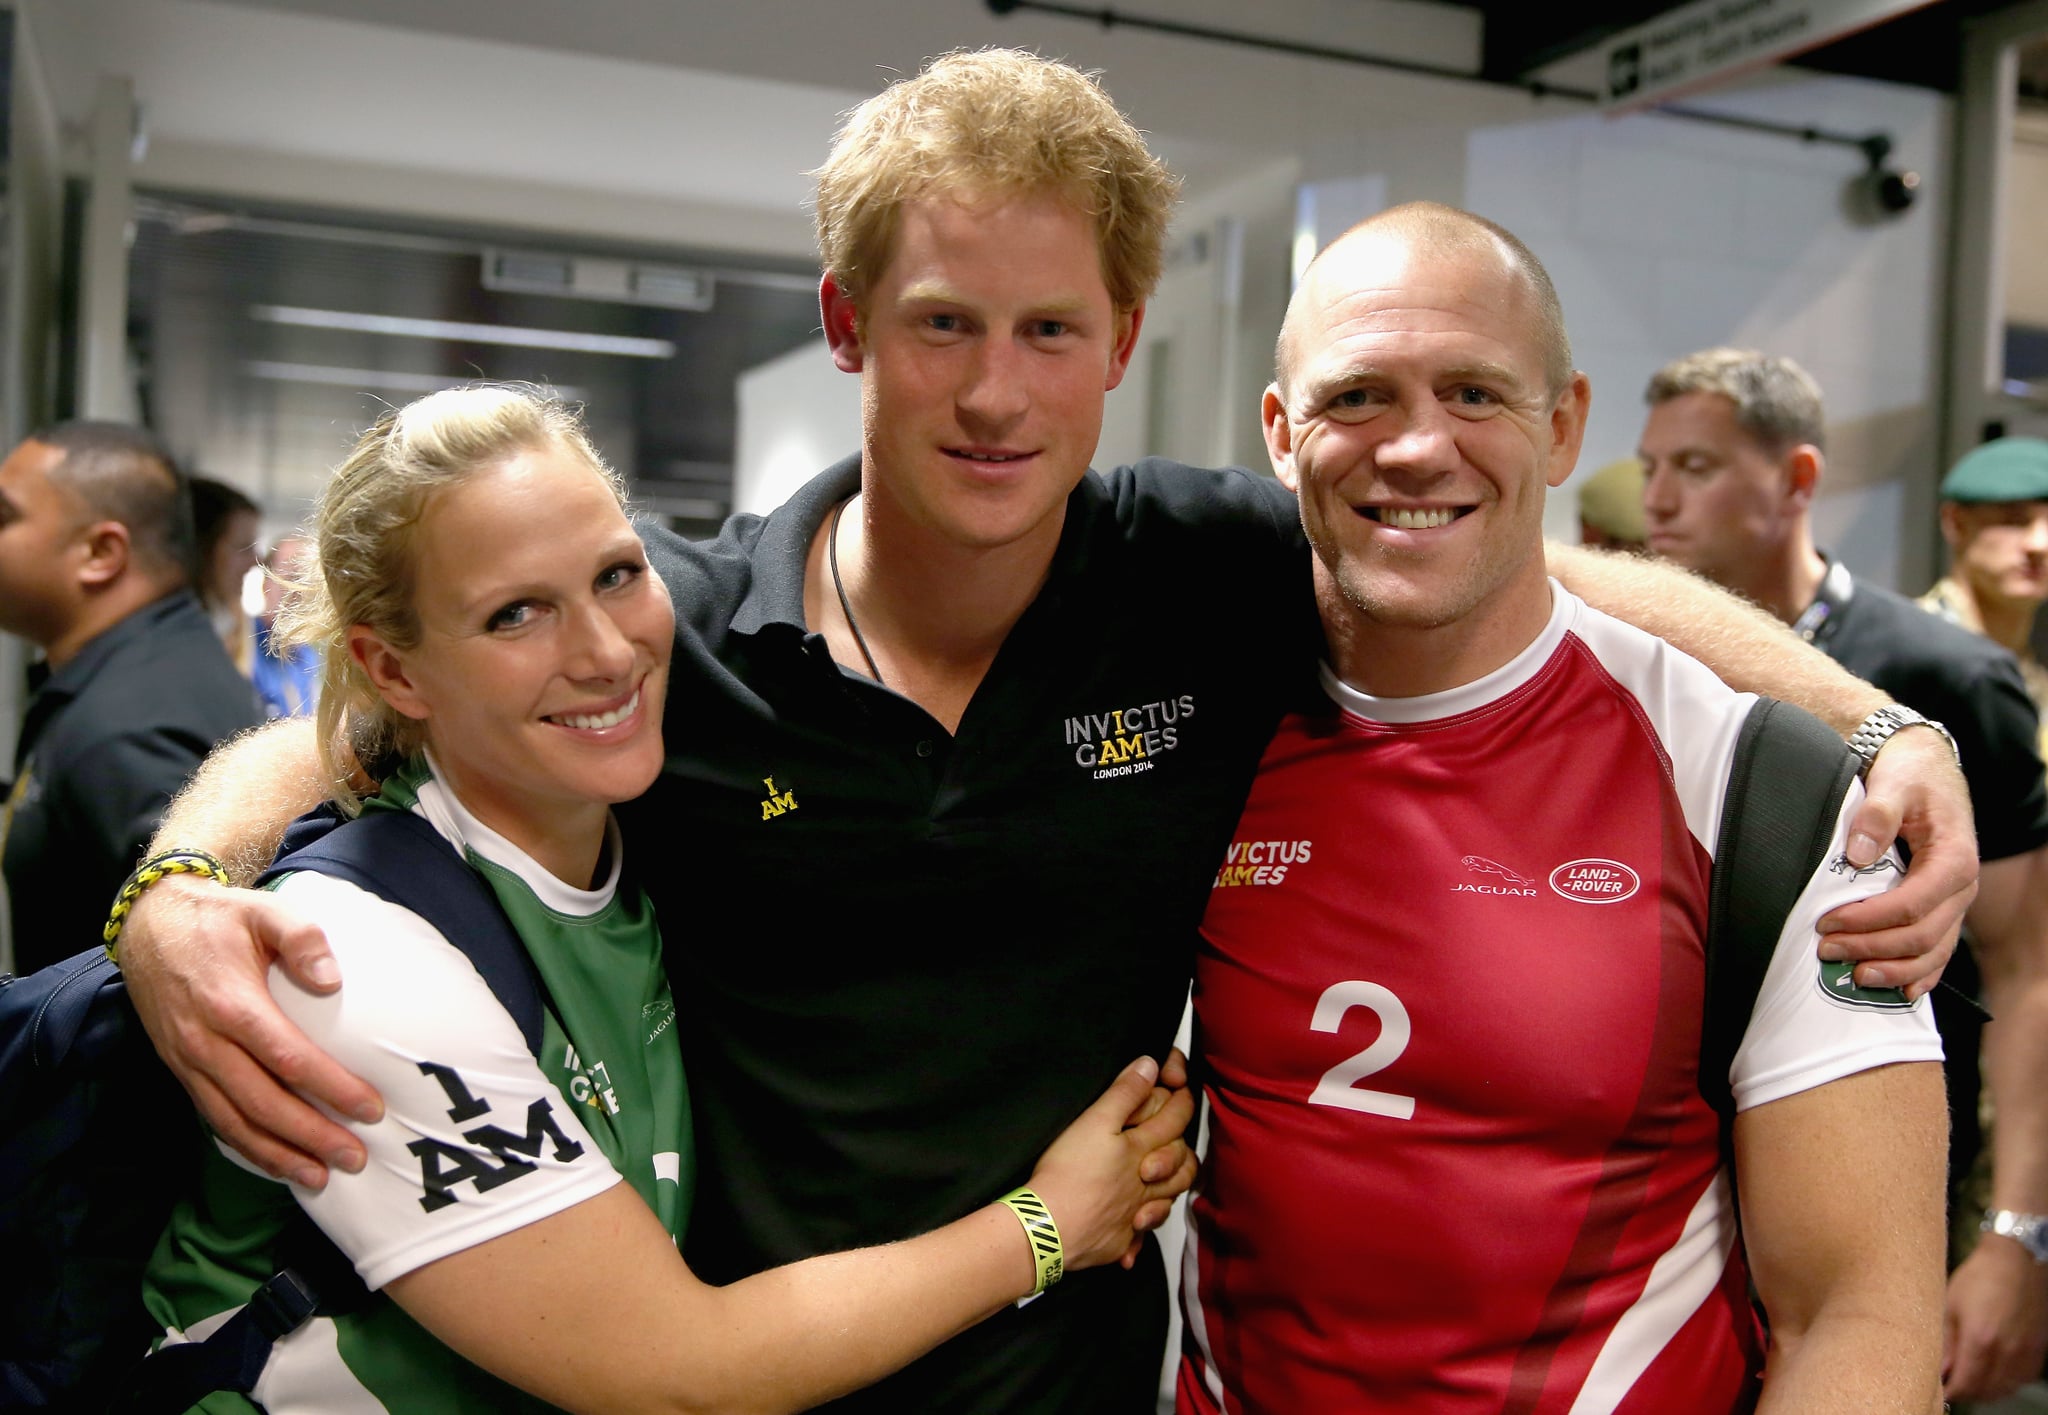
[
  {"x": 135, "y": 689},
  {"x": 1459, "y": 1157}
]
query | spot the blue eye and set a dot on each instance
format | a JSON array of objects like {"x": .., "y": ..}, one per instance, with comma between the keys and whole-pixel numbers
[
  {"x": 510, "y": 617},
  {"x": 619, "y": 576}
]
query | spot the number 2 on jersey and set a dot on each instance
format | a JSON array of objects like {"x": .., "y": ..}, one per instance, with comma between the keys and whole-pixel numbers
[{"x": 1338, "y": 1086}]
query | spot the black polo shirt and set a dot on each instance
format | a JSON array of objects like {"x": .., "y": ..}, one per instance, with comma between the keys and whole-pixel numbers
[
  {"x": 907, "y": 959},
  {"x": 1962, "y": 680},
  {"x": 105, "y": 743}
]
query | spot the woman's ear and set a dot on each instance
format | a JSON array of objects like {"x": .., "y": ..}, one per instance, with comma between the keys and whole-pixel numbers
[{"x": 385, "y": 666}]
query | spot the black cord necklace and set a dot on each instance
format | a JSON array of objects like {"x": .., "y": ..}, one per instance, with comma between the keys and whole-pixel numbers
[{"x": 845, "y": 607}]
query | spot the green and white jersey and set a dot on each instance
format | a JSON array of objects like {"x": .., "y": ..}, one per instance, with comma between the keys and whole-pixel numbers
[{"x": 479, "y": 1136}]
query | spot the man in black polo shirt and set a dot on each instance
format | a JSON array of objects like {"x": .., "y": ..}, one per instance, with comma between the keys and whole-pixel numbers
[
  {"x": 1733, "y": 446},
  {"x": 958, "y": 737},
  {"x": 134, "y": 688}
]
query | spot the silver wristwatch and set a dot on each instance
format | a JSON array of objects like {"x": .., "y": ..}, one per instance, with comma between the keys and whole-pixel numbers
[
  {"x": 2030, "y": 1231},
  {"x": 1877, "y": 729}
]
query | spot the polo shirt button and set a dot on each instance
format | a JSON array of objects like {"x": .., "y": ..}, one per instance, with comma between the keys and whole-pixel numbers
[{"x": 924, "y": 748}]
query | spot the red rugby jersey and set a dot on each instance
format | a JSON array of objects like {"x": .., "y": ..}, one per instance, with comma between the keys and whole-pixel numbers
[{"x": 1449, "y": 1001}]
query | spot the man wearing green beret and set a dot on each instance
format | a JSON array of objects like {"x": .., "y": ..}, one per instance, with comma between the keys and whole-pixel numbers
[
  {"x": 1611, "y": 507},
  {"x": 1994, "y": 516}
]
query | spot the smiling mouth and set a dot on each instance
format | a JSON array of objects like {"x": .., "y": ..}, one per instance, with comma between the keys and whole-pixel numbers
[
  {"x": 1414, "y": 518},
  {"x": 994, "y": 459},
  {"x": 597, "y": 722}
]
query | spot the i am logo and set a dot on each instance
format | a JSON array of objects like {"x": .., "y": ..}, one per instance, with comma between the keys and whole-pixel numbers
[
  {"x": 443, "y": 1166},
  {"x": 778, "y": 803}
]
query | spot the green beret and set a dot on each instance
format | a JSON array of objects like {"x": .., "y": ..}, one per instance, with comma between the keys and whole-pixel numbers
[
  {"x": 1611, "y": 500},
  {"x": 2010, "y": 469}
]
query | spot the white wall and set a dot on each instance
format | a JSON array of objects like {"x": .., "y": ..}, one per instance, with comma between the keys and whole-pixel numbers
[
  {"x": 798, "y": 414},
  {"x": 1666, "y": 236},
  {"x": 2026, "y": 217}
]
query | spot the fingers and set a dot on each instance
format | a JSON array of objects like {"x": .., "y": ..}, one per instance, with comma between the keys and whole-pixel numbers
[
  {"x": 1909, "y": 956},
  {"x": 1167, "y": 1125},
  {"x": 1151, "y": 1215},
  {"x": 1873, "y": 828},
  {"x": 1126, "y": 1096},
  {"x": 259, "y": 1141},
  {"x": 1148, "y": 1108},
  {"x": 1908, "y": 932},
  {"x": 1174, "y": 1075},
  {"x": 300, "y": 946},
  {"x": 1970, "y": 1377},
  {"x": 1177, "y": 1183}
]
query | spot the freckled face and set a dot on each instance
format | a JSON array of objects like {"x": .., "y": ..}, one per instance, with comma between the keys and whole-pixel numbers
[
  {"x": 985, "y": 349},
  {"x": 1419, "y": 431}
]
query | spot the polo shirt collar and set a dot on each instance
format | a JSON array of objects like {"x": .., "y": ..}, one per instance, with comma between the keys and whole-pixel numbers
[
  {"x": 52, "y": 689},
  {"x": 98, "y": 651},
  {"x": 775, "y": 590}
]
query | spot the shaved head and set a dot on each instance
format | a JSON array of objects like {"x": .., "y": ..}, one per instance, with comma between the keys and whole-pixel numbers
[
  {"x": 1431, "y": 229},
  {"x": 121, "y": 473}
]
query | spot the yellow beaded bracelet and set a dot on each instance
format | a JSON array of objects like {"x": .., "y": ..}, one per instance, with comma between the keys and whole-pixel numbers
[
  {"x": 1043, "y": 1233},
  {"x": 168, "y": 862}
]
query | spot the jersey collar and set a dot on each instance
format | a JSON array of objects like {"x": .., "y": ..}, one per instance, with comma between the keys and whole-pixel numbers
[{"x": 1467, "y": 697}]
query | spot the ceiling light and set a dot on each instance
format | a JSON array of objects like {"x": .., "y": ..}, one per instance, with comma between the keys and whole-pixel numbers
[
  {"x": 453, "y": 331},
  {"x": 386, "y": 380}
]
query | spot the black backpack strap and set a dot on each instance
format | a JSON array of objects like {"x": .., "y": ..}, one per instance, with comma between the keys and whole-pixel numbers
[
  {"x": 1785, "y": 788},
  {"x": 400, "y": 857},
  {"x": 175, "y": 1378}
]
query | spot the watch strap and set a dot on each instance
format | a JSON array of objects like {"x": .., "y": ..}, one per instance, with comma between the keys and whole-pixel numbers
[
  {"x": 2030, "y": 1231},
  {"x": 1879, "y": 728}
]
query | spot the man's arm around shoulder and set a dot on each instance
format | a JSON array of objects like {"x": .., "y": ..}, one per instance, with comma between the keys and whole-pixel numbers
[
  {"x": 1843, "y": 1214},
  {"x": 1916, "y": 794},
  {"x": 196, "y": 956}
]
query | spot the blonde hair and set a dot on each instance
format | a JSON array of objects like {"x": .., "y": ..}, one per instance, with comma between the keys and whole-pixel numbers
[
  {"x": 990, "y": 124},
  {"x": 1776, "y": 401},
  {"x": 361, "y": 567}
]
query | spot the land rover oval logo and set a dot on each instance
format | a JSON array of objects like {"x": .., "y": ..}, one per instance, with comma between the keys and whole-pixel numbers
[{"x": 1595, "y": 881}]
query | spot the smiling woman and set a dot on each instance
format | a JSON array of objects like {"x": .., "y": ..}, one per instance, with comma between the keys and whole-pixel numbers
[{"x": 497, "y": 662}]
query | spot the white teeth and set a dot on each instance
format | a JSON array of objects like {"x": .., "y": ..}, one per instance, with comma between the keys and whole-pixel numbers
[
  {"x": 984, "y": 457},
  {"x": 604, "y": 719},
  {"x": 1407, "y": 519}
]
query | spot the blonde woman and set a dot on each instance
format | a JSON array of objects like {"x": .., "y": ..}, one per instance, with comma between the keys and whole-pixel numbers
[{"x": 497, "y": 654}]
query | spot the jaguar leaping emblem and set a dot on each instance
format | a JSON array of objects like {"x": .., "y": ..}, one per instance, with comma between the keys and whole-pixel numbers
[
  {"x": 1494, "y": 867},
  {"x": 1840, "y": 865}
]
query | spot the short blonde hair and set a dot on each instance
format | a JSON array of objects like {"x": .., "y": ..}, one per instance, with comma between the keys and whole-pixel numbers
[
  {"x": 361, "y": 567},
  {"x": 990, "y": 124},
  {"x": 1776, "y": 401}
]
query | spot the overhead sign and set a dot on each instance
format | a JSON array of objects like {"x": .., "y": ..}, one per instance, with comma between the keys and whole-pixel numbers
[{"x": 1704, "y": 43}]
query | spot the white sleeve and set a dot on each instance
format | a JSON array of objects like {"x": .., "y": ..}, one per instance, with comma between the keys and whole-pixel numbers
[
  {"x": 475, "y": 1141},
  {"x": 1810, "y": 1025}
]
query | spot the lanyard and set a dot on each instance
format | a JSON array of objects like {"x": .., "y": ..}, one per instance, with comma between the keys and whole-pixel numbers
[{"x": 1817, "y": 624}]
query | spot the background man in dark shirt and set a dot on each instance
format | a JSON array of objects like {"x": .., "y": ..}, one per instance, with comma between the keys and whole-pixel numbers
[
  {"x": 1734, "y": 450},
  {"x": 134, "y": 689}
]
